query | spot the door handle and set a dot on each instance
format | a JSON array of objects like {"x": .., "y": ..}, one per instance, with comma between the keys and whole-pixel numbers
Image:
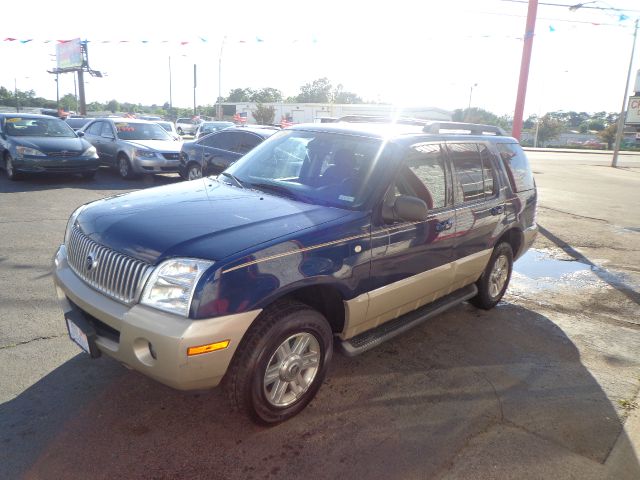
[
  {"x": 497, "y": 210},
  {"x": 444, "y": 225}
]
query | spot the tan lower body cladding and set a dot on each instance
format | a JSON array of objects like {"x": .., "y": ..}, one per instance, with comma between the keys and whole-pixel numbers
[{"x": 378, "y": 306}]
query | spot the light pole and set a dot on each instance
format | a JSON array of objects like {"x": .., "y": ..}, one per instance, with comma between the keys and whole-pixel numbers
[
  {"x": 471, "y": 94},
  {"x": 195, "y": 84},
  {"x": 15, "y": 93},
  {"x": 219, "y": 112},
  {"x": 620, "y": 129}
]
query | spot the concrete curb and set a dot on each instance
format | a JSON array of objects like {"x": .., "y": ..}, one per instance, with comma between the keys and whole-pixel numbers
[{"x": 625, "y": 455}]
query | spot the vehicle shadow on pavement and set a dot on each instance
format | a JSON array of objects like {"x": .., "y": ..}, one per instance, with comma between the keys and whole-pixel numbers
[
  {"x": 470, "y": 394},
  {"x": 600, "y": 272},
  {"x": 106, "y": 179}
]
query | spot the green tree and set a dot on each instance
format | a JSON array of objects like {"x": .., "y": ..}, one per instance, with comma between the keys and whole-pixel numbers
[
  {"x": 608, "y": 135},
  {"x": 340, "y": 96},
  {"x": 267, "y": 95},
  {"x": 264, "y": 115},
  {"x": 318, "y": 91},
  {"x": 596, "y": 124},
  {"x": 113, "y": 106},
  {"x": 479, "y": 115},
  {"x": 69, "y": 102},
  {"x": 240, "y": 95},
  {"x": 549, "y": 127}
]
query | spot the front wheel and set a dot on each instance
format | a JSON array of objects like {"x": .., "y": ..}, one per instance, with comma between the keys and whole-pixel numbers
[
  {"x": 194, "y": 171},
  {"x": 10, "y": 169},
  {"x": 281, "y": 363},
  {"x": 124, "y": 167},
  {"x": 495, "y": 279}
]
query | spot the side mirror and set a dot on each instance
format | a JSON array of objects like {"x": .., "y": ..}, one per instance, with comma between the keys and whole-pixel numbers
[
  {"x": 80, "y": 134},
  {"x": 407, "y": 208}
]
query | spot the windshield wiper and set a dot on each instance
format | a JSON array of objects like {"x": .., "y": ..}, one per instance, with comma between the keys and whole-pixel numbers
[
  {"x": 276, "y": 189},
  {"x": 235, "y": 180}
]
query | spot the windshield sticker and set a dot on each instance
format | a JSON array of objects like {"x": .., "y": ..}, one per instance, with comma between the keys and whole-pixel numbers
[
  {"x": 13, "y": 120},
  {"x": 345, "y": 198}
]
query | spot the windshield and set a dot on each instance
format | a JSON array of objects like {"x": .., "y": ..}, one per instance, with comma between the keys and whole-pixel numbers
[
  {"x": 141, "y": 131},
  {"x": 37, "y": 127},
  {"x": 166, "y": 125},
  {"x": 315, "y": 167},
  {"x": 214, "y": 127}
]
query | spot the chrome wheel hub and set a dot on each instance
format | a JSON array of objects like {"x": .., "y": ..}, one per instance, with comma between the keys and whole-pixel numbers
[
  {"x": 194, "y": 173},
  {"x": 498, "y": 275},
  {"x": 291, "y": 369}
]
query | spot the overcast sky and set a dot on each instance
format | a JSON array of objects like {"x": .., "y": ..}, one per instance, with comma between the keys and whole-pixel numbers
[{"x": 422, "y": 53}]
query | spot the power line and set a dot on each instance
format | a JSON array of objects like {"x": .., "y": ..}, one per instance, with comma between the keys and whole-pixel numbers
[{"x": 576, "y": 6}]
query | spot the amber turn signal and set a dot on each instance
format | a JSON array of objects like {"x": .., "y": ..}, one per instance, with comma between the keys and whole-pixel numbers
[{"x": 209, "y": 347}]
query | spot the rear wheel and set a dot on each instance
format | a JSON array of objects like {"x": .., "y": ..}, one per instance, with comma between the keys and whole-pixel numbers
[
  {"x": 281, "y": 363},
  {"x": 180, "y": 132},
  {"x": 124, "y": 167},
  {"x": 495, "y": 279},
  {"x": 12, "y": 174}
]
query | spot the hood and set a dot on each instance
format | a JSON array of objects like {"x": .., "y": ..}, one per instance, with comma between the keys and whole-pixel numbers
[
  {"x": 53, "y": 144},
  {"x": 159, "y": 145},
  {"x": 199, "y": 219}
]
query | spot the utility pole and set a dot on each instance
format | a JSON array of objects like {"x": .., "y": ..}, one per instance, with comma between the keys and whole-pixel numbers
[
  {"x": 621, "y": 119},
  {"x": 15, "y": 94},
  {"x": 219, "y": 112},
  {"x": 170, "y": 90},
  {"x": 524, "y": 68},
  {"x": 195, "y": 84}
]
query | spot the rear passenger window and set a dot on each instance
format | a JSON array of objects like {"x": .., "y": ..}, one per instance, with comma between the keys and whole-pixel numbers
[
  {"x": 468, "y": 167},
  {"x": 95, "y": 128},
  {"x": 247, "y": 142},
  {"x": 423, "y": 175},
  {"x": 517, "y": 166},
  {"x": 488, "y": 172},
  {"x": 475, "y": 172}
]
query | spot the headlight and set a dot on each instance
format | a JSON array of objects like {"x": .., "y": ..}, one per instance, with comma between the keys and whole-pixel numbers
[
  {"x": 89, "y": 152},
  {"x": 31, "y": 152},
  {"x": 140, "y": 153},
  {"x": 71, "y": 222},
  {"x": 170, "y": 287}
]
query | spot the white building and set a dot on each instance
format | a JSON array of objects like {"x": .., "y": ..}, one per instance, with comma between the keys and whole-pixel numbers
[{"x": 313, "y": 112}]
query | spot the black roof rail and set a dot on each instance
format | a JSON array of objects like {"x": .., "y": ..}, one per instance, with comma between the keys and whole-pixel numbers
[{"x": 462, "y": 128}]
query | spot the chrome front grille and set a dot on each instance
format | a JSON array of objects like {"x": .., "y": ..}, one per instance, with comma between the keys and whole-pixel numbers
[
  {"x": 112, "y": 273},
  {"x": 64, "y": 154}
]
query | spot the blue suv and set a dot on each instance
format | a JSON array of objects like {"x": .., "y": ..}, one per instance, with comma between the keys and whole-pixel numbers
[{"x": 337, "y": 233}]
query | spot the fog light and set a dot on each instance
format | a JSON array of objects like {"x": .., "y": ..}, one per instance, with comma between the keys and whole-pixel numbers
[{"x": 209, "y": 347}]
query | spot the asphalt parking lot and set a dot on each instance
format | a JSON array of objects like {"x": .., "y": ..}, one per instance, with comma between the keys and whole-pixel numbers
[{"x": 544, "y": 386}]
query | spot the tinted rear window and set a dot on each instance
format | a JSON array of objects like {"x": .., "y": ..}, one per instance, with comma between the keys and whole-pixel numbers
[{"x": 517, "y": 166}]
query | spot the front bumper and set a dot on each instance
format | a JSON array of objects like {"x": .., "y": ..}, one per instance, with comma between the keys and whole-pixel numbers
[
  {"x": 152, "y": 342},
  {"x": 155, "y": 165},
  {"x": 55, "y": 165}
]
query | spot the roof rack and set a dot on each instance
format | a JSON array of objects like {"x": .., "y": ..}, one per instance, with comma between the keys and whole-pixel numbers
[
  {"x": 430, "y": 126},
  {"x": 461, "y": 128}
]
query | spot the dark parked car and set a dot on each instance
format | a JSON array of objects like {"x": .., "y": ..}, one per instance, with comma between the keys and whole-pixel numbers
[
  {"x": 77, "y": 122},
  {"x": 134, "y": 147},
  {"x": 205, "y": 128},
  {"x": 213, "y": 153},
  {"x": 336, "y": 232},
  {"x": 40, "y": 143}
]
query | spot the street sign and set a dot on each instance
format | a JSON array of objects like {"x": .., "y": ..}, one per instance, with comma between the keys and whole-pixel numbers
[{"x": 633, "y": 111}]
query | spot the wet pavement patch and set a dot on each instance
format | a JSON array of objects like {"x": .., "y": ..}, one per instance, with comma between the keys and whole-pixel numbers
[{"x": 540, "y": 270}]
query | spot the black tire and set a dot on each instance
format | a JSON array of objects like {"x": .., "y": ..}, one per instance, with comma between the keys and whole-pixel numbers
[
  {"x": 192, "y": 169},
  {"x": 493, "y": 282},
  {"x": 124, "y": 167},
  {"x": 88, "y": 175},
  {"x": 246, "y": 383},
  {"x": 10, "y": 170},
  {"x": 180, "y": 132}
]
